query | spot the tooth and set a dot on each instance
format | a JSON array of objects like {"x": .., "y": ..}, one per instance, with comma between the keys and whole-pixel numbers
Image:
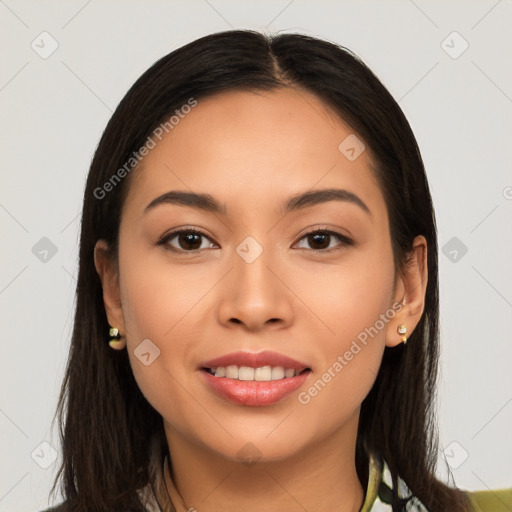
[
  {"x": 263, "y": 373},
  {"x": 220, "y": 372},
  {"x": 245, "y": 373},
  {"x": 232, "y": 372},
  {"x": 277, "y": 373}
]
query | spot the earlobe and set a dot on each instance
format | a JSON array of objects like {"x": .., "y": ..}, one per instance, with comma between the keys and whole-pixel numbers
[
  {"x": 109, "y": 277},
  {"x": 410, "y": 293}
]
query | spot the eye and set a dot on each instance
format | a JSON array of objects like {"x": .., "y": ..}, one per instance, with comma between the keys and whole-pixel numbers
[
  {"x": 188, "y": 240},
  {"x": 320, "y": 240}
]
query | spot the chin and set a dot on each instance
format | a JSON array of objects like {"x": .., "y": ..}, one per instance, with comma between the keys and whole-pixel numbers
[{"x": 260, "y": 447}]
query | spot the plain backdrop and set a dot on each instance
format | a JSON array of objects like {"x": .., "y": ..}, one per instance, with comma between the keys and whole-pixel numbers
[{"x": 65, "y": 67}]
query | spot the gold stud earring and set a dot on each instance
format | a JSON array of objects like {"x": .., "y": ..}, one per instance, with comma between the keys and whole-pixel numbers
[
  {"x": 115, "y": 341},
  {"x": 402, "y": 329}
]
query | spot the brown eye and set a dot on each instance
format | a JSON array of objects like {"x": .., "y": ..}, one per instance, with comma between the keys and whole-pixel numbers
[
  {"x": 187, "y": 240},
  {"x": 190, "y": 241},
  {"x": 320, "y": 240}
]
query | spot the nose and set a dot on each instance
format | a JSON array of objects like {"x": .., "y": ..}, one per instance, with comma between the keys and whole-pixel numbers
[{"x": 255, "y": 294}]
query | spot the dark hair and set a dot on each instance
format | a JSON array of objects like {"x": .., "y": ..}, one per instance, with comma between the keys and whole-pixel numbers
[{"x": 104, "y": 419}]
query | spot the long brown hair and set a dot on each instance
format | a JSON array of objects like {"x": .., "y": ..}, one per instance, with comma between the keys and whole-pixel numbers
[{"x": 105, "y": 421}]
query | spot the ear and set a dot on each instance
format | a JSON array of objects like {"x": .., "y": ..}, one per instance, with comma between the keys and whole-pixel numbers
[
  {"x": 109, "y": 276},
  {"x": 410, "y": 291}
]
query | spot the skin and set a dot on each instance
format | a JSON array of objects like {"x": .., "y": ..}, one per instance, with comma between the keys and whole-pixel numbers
[{"x": 252, "y": 151}]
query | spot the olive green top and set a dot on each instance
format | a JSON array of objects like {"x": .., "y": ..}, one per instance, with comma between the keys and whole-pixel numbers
[{"x": 380, "y": 486}]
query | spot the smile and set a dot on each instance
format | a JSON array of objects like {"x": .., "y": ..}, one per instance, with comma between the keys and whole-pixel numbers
[
  {"x": 260, "y": 374},
  {"x": 254, "y": 379}
]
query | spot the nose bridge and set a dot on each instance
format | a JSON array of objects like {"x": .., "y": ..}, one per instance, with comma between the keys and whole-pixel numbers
[
  {"x": 252, "y": 274},
  {"x": 254, "y": 295}
]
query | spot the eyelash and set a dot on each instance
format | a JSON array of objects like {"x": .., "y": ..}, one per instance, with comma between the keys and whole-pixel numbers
[{"x": 164, "y": 241}]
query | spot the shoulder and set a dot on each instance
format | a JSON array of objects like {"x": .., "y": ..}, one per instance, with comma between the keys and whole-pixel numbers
[{"x": 494, "y": 500}]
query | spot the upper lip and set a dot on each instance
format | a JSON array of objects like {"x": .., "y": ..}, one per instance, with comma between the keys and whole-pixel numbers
[{"x": 255, "y": 360}]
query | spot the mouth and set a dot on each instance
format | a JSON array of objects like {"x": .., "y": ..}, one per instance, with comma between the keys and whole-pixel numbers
[
  {"x": 265, "y": 365},
  {"x": 260, "y": 374},
  {"x": 254, "y": 379}
]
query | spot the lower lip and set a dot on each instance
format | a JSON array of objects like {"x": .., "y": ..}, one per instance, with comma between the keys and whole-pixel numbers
[{"x": 254, "y": 393}]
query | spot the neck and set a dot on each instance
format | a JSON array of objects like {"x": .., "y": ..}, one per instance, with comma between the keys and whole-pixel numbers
[{"x": 320, "y": 477}]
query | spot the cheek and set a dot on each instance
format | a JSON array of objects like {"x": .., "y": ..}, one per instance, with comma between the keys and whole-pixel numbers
[
  {"x": 347, "y": 297},
  {"x": 159, "y": 296},
  {"x": 162, "y": 303},
  {"x": 353, "y": 303},
  {"x": 351, "y": 362}
]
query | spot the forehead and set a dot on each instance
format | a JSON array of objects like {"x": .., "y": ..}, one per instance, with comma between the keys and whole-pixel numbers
[{"x": 249, "y": 147}]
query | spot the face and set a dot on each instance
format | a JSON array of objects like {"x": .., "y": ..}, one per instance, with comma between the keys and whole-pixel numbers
[{"x": 255, "y": 277}]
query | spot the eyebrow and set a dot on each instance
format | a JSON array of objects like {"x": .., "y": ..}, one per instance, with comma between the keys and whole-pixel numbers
[{"x": 208, "y": 203}]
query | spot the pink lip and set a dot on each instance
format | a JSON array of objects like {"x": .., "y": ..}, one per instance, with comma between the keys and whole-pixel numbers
[
  {"x": 255, "y": 360},
  {"x": 254, "y": 393}
]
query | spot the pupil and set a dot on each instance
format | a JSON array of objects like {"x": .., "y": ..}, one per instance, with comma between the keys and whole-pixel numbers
[
  {"x": 188, "y": 239},
  {"x": 316, "y": 237}
]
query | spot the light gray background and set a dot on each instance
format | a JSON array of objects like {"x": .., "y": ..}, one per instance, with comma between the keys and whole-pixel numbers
[{"x": 55, "y": 109}]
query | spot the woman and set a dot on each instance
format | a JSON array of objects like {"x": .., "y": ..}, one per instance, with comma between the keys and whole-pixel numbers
[{"x": 258, "y": 242}]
